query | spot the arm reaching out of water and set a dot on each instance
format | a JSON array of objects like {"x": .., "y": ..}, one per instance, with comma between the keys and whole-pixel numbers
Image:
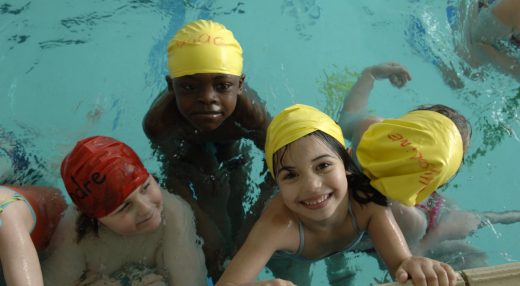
[
  {"x": 495, "y": 36},
  {"x": 353, "y": 119},
  {"x": 19, "y": 258},
  {"x": 392, "y": 247}
]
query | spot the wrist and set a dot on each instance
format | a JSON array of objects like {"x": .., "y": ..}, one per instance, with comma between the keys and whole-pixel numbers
[{"x": 367, "y": 74}]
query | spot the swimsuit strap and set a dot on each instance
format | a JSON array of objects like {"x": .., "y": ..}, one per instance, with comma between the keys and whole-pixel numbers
[
  {"x": 17, "y": 197},
  {"x": 302, "y": 240},
  {"x": 355, "y": 225},
  {"x": 354, "y": 220},
  {"x": 8, "y": 201}
]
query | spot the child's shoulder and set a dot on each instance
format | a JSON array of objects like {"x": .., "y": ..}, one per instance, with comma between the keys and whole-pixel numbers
[
  {"x": 364, "y": 213},
  {"x": 65, "y": 232},
  {"x": 250, "y": 110},
  {"x": 163, "y": 117},
  {"x": 176, "y": 210},
  {"x": 277, "y": 216}
]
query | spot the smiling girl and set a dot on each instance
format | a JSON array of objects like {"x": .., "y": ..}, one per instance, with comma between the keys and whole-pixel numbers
[
  {"x": 122, "y": 218},
  {"x": 322, "y": 208}
]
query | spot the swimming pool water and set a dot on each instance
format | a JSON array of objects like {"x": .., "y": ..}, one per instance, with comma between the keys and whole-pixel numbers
[{"x": 71, "y": 69}]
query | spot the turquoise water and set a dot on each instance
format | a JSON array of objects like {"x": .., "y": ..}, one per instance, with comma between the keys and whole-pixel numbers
[{"x": 71, "y": 69}]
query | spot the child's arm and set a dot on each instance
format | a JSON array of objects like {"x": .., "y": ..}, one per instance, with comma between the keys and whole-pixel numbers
[
  {"x": 508, "y": 12},
  {"x": 501, "y": 60},
  {"x": 391, "y": 246},
  {"x": 183, "y": 257},
  {"x": 19, "y": 258},
  {"x": 66, "y": 262},
  {"x": 353, "y": 119},
  {"x": 273, "y": 231}
]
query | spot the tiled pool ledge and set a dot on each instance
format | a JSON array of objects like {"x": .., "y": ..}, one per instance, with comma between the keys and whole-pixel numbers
[{"x": 497, "y": 275}]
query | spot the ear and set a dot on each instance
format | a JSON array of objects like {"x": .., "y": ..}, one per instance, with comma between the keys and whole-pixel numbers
[
  {"x": 169, "y": 82},
  {"x": 241, "y": 84}
]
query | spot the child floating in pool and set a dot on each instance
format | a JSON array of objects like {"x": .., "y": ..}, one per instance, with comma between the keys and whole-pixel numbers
[
  {"x": 323, "y": 208},
  {"x": 196, "y": 126},
  {"x": 408, "y": 158},
  {"x": 493, "y": 35},
  {"x": 122, "y": 219},
  {"x": 28, "y": 218}
]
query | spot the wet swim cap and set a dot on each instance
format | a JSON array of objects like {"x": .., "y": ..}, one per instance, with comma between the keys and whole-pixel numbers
[
  {"x": 204, "y": 46},
  {"x": 409, "y": 157},
  {"x": 293, "y": 123},
  {"x": 99, "y": 173}
]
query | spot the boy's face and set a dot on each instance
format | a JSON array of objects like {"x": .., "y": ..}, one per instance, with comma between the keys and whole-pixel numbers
[
  {"x": 139, "y": 213},
  {"x": 206, "y": 100}
]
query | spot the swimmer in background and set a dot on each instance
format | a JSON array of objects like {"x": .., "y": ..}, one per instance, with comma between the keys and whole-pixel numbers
[
  {"x": 28, "y": 218},
  {"x": 121, "y": 218},
  {"x": 409, "y": 158},
  {"x": 196, "y": 126},
  {"x": 324, "y": 207},
  {"x": 493, "y": 36}
]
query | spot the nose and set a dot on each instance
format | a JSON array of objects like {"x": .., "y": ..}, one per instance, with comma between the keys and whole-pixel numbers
[
  {"x": 313, "y": 182},
  {"x": 143, "y": 205},
  {"x": 208, "y": 95}
]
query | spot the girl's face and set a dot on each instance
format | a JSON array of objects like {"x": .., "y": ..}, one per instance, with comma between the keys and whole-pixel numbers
[
  {"x": 207, "y": 100},
  {"x": 311, "y": 177},
  {"x": 140, "y": 212}
]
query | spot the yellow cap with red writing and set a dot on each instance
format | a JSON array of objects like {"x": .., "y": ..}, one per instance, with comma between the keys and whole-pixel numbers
[
  {"x": 204, "y": 46},
  {"x": 293, "y": 123},
  {"x": 409, "y": 157}
]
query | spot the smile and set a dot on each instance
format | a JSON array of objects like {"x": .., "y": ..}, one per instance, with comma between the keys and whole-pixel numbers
[
  {"x": 149, "y": 217},
  {"x": 317, "y": 203},
  {"x": 207, "y": 113}
]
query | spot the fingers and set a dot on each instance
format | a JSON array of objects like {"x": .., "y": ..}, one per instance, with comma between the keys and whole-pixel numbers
[
  {"x": 452, "y": 275},
  {"x": 401, "y": 275},
  {"x": 400, "y": 77},
  {"x": 274, "y": 282},
  {"x": 427, "y": 272}
]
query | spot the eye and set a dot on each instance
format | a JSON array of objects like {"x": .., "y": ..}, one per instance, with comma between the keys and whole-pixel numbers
[
  {"x": 187, "y": 87},
  {"x": 287, "y": 175},
  {"x": 224, "y": 86},
  {"x": 146, "y": 185},
  {"x": 323, "y": 166},
  {"x": 184, "y": 86},
  {"x": 126, "y": 206}
]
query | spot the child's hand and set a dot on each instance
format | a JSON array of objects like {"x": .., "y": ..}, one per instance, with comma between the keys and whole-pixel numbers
[
  {"x": 274, "y": 282},
  {"x": 394, "y": 72},
  {"x": 424, "y": 271}
]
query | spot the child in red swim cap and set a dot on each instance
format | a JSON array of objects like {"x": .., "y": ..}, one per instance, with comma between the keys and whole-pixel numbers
[{"x": 122, "y": 217}]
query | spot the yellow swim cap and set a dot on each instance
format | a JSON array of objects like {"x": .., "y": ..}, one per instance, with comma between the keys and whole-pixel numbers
[
  {"x": 409, "y": 157},
  {"x": 293, "y": 123},
  {"x": 204, "y": 46}
]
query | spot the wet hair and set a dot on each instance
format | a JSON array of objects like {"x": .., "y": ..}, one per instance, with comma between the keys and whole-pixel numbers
[
  {"x": 358, "y": 183},
  {"x": 85, "y": 224},
  {"x": 458, "y": 119}
]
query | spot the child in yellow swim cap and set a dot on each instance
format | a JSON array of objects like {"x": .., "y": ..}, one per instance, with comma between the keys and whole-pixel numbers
[
  {"x": 405, "y": 158},
  {"x": 196, "y": 125},
  {"x": 320, "y": 211}
]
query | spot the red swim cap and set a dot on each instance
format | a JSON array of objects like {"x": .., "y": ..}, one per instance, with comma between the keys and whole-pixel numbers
[{"x": 99, "y": 174}]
